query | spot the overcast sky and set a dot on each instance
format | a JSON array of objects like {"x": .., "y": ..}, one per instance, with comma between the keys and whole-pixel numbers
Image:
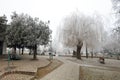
[{"x": 54, "y": 10}]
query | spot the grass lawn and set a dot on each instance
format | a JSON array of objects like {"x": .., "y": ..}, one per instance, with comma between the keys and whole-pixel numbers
[{"x": 92, "y": 73}]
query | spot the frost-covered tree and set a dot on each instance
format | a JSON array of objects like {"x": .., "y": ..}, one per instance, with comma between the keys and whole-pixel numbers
[
  {"x": 78, "y": 29},
  {"x": 112, "y": 47},
  {"x": 116, "y": 30},
  {"x": 96, "y": 34},
  {"x": 116, "y": 7},
  {"x": 38, "y": 33},
  {"x": 3, "y": 25},
  {"x": 16, "y": 31},
  {"x": 25, "y": 31}
]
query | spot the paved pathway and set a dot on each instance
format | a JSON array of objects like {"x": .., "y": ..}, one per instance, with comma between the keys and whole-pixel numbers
[{"x": 68, "y": 71}]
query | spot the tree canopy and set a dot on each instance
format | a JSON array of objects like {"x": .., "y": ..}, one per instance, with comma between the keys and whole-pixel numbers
[
  {"x": 78, "y": 29},
  {"x": 25, "y": 31},
  {"x": 3, "y": 26}
]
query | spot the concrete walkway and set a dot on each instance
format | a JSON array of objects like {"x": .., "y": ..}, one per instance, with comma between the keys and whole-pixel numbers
[{"x": 68, "y": 71}]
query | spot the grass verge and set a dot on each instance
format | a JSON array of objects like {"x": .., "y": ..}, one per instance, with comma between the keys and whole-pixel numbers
[
  {"x": 41, "y": 72},
  {"x": 90, "y": 73}
]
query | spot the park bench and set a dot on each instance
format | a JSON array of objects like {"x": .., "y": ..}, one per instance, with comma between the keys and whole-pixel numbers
[{"x": 102, "y": 60}]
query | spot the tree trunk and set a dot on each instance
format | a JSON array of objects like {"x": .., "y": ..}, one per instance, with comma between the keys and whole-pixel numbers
[
  {"x": 30, "y": 52},
  {"x": 118, "y": 57},
  {"x": 86, "y": 51},
  {"x": 35, "y": 52},
  {"x": 14, "y": 52},
  {"x": 79, "y": 46},
  {"x": 22, "y": 50},
  {"x": 1, "y": 47},
  {"x": 19, "y": 50},
  {"x": 68, "y": 51},
  {"x": 92, "y": 54},
  {"x": 74, "y": 53},
  {"x": 78, "y": 53}
]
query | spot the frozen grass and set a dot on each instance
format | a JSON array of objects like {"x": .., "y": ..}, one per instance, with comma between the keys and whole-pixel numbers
[{"x": 90, "y": 73}]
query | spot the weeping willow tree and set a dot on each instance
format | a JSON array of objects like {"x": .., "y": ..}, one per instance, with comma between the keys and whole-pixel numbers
[{"x": 78, "y": 29}]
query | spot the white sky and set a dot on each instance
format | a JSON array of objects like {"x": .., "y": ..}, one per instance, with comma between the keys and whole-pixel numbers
[{"x": 54, "y": 10}]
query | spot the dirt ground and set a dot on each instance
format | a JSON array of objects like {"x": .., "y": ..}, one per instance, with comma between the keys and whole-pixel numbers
[
  {"x": 25, "y": 64},
  {"x": 40, "y": 67}
]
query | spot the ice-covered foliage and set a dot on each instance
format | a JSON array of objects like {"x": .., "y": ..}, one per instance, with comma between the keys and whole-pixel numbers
[
  {"x": 115, "y": 37},
  {"x": 3, "y": 25},
  {"x": 116, "y": 10},
  {"x": 27, "y": 31},
  {"x": 78, "y": 27}
]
